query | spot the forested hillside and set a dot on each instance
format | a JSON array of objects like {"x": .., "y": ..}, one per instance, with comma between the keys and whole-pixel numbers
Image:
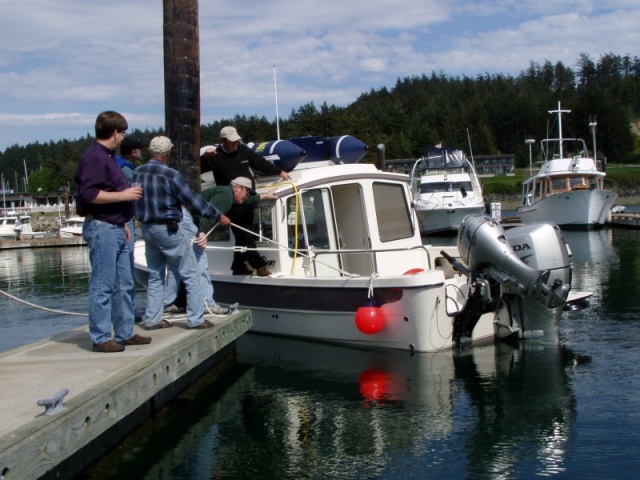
[{"x": 497, "y": 112}]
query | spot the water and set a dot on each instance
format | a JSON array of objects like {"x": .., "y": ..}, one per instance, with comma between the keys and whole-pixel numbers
[{"x": 290, "y": 409}]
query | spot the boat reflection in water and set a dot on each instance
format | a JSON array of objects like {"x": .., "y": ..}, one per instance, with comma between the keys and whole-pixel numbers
[{"x": 304, "y": 410}]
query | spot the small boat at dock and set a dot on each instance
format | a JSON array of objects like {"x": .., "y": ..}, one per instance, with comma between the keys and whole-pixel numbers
[{"x": 349, "y": 267}]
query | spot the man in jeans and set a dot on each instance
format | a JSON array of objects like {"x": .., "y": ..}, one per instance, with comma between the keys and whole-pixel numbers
[
  {"x": 166, "y": 243},
  {"x": 105, "y": 198}
]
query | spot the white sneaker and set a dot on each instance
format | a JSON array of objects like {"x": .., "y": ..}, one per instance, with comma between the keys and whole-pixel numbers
[
  {"x": 217, "y": 309},
  {"x": 174, "y": 309}
]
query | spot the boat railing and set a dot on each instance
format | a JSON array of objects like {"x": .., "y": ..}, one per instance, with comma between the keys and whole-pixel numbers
[{"x": 375, "y": 260}]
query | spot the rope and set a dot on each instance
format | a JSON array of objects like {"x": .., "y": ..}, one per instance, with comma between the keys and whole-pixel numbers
[
  {"x": 284, "y": 247},
  {"x": 6, "y": 294}
]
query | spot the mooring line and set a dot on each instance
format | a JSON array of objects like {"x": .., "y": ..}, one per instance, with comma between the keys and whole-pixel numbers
[{"x": 53, "y": 310}]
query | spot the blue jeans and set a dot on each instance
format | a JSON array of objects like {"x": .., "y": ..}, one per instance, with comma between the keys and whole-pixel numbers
[
  {"x": 111, "y": 282},
  {"x": 174, "y": 250},
  {"x": 173, "y": 283},
  {"x": 116, "y": 301}
]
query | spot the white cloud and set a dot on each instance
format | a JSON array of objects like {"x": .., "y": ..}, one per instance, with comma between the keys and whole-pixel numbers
[{"x": 63, "y": 62}]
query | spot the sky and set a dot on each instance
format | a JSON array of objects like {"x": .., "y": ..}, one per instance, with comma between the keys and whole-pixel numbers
[{"x": 64, "y": 61}]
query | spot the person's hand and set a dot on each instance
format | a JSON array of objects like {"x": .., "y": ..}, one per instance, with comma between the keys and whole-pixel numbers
[
  {"x": 132, "y": 193},
  {"x": 284, "y": 175},
  {"x": 201, "y": 240},
  {"x": 210, "y": 151},
  {"x": 224, "y": 220},
  {"x": 270, "y": 195}
]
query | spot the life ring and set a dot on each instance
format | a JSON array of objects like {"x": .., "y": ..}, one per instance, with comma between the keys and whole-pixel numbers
[{"x": 414, "y": 271}]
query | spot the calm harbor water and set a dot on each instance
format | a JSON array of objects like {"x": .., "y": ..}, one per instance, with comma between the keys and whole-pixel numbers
[{"x": 290, "y": 409}]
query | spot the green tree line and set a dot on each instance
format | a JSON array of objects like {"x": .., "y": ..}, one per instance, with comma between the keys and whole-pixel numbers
[{"x": 496, "y": 112}]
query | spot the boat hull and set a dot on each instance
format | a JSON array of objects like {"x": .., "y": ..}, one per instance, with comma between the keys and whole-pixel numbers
[
  {"x": 324, "y": 310},
  {"x": 444, "y": 219},
  {"x": 578, "y": 209}
]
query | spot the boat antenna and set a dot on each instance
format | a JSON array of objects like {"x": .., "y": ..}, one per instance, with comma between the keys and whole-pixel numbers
[
  {"x": 560, "y": 112},
  {"x": 470, "y": 149},
  {"x": 275, "y": 87},
  {"x": 592, "y": 126}
]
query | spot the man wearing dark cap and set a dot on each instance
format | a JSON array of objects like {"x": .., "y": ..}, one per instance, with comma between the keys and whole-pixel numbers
[
  {"x": 130, "y": 153},
  {"x": 232, "y": 160}
]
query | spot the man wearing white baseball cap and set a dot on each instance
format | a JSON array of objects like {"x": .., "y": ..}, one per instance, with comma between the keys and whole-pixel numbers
[{"x": 232, "y": 160}]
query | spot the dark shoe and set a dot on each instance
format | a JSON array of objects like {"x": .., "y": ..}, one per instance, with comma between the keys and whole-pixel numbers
[
  {"x": 263, "y": 272},
  {"x": 243, "y": 271},
  {"x": 109, "y": 346},
  {"x": 161, "y": 324},
  {"x": 137, "y": 340},
  {"x": 203, "y": 325},
  {"x": 138, "y": 316}
]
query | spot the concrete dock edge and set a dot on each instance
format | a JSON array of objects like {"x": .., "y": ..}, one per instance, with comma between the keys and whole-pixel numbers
[{"x": 136, "y": 384}]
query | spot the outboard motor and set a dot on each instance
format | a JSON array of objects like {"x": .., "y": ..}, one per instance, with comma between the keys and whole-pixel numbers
[{"x": 508, "y": 272}]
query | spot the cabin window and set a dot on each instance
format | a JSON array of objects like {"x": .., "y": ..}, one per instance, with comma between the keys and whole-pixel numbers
[
  {"x": 392, "y": 212},
  {"x": 311, "y": 221},
  {"x": 263, "y": 221},
  {"x": 435, "y": 187},
  {"x": 558, "y": 184}
]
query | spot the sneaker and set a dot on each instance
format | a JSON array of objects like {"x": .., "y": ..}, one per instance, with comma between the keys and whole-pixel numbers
[
  {"x": 137, "y": 340},
  {"x": 174, "y": 309},
  {"x": 263, "y": 272},
  {"x": 109, "y": 346},
  {"x": 203, "y": 325},
  {"x": 216, "y": 309}
]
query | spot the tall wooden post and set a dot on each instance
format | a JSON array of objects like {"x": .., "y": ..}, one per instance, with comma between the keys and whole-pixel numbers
[{"x": 182, "y": 86}]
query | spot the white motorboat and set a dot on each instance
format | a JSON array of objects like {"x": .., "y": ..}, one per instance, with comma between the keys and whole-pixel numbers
[
  {"x": 72, "y": 227},
  {"x": 10, "y": 230},
  {"x": 349, "y": 267},
  {"x": 446, "y": 189},
  {"x": 568, "y": 189}
]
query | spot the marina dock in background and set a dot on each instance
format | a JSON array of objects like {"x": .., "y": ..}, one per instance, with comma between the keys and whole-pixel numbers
[
  {"x": 64, "y": 406},
  {"x": 42, "y": 242}
]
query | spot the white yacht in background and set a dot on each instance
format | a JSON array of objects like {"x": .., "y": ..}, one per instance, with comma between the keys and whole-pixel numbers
[
  {"x": 568, "y": 189},
  {"x": 446, "y": 189},
  {"x": 72, "y": 227}
]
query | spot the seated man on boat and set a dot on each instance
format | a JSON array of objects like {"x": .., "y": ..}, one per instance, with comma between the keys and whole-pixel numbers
[
  {"x": 234, "y": 159},
  {"x": 239, "y": 192}
]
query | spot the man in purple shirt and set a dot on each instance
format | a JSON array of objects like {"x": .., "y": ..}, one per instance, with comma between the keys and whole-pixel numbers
[{"x": 106, "y": 200}]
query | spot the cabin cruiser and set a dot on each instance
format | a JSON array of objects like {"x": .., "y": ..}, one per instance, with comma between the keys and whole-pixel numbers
[
  {"x": 446, "y": 189},
  {"x": 568, "y": 189},
  {"x": 72, "y": 227}
]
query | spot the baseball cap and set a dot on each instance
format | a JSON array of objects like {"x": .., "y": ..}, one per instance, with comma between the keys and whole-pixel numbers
[
  {"x": 131, "y": 142},
  {"x": 244, "y": 182},
  {"x": 160, "y": 145},
  {"x": 230, "y": 133}
]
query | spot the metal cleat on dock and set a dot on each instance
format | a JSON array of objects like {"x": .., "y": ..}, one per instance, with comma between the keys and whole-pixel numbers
[{"x": 53, "y": 404}]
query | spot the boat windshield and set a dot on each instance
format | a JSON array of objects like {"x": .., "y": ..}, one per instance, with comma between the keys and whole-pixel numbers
[
  {"x": 444, "y": 159},
  {"x": 437, "y": 187}
]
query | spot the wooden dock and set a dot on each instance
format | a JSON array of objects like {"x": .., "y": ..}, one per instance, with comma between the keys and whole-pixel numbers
[
  {"x": 108, "y": 394},
  {"x": 42, "y": 242},
  {"x": 624, "y": 220}
]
